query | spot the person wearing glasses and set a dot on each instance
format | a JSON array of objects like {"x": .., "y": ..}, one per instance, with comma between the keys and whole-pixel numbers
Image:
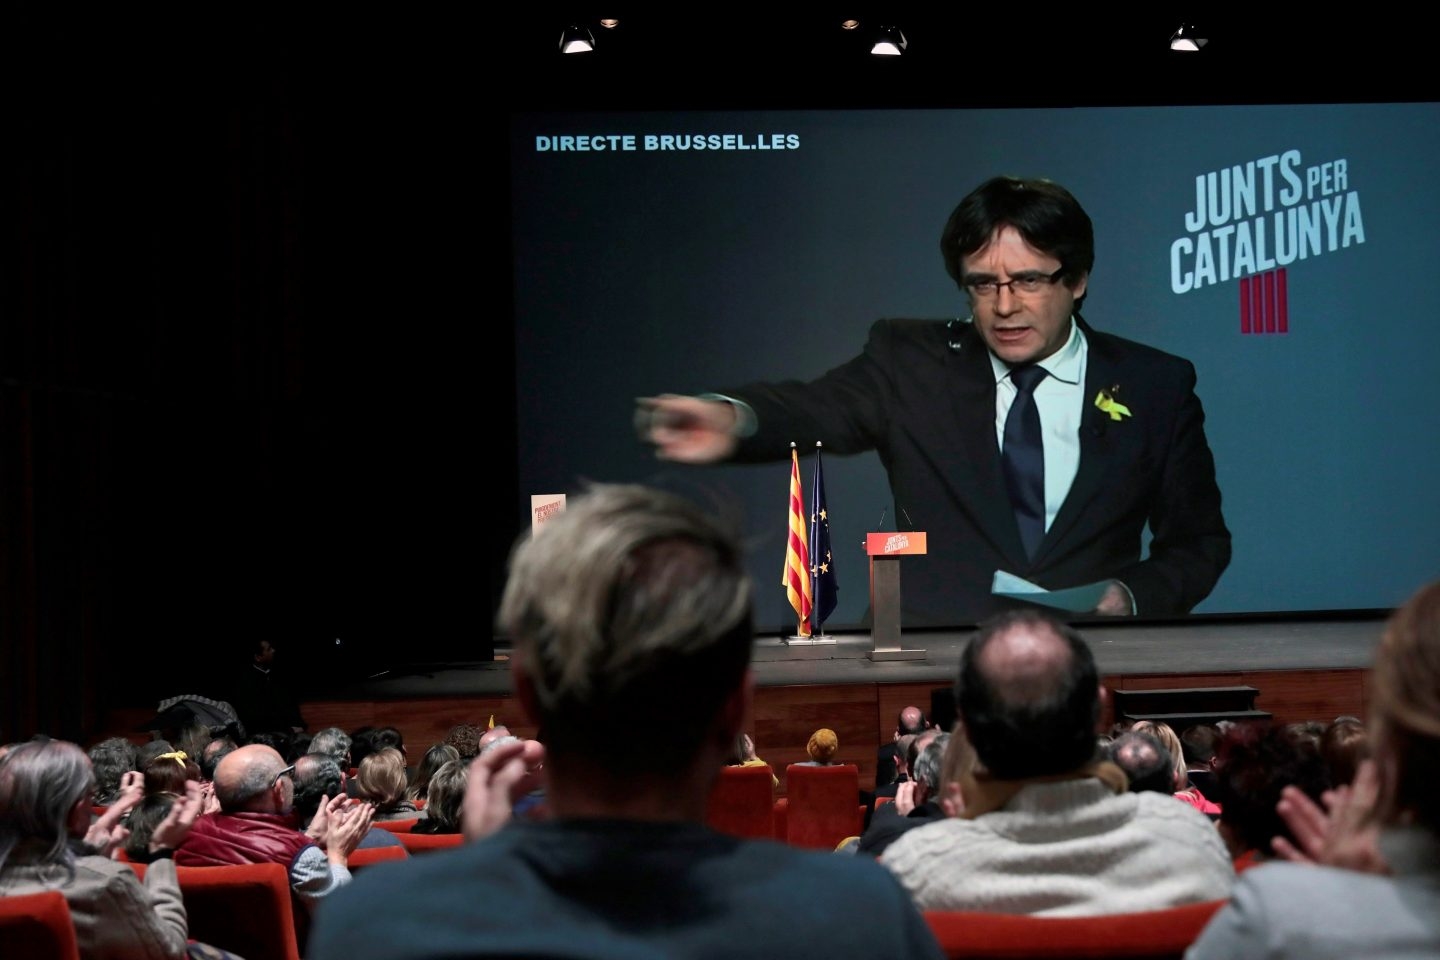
[
  {"x": 257, "y": 824},
  {"x": 1020, "y": 438}
]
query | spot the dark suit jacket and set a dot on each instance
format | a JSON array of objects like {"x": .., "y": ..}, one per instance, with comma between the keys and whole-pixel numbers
[{"x": 922, "y": 395}]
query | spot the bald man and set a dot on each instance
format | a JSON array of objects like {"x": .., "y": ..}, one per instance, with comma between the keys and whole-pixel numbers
[
  {"x": 257, "y": 824},
  {"x": 1048, "y": 828}
]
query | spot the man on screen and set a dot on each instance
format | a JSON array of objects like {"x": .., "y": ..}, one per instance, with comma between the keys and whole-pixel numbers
[{"x": 1021, "y": 439}]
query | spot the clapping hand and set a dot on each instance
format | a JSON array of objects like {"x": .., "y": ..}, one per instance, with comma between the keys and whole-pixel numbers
[
  {"x": 1342, "y": 834},
  {"x": 107, "y": 831},
  {"x": 496, "y": 779},
  {"x": 173, "y": 830}
]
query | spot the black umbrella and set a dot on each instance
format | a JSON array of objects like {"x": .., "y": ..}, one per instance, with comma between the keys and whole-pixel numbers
[{"x": 177, "y": 713}]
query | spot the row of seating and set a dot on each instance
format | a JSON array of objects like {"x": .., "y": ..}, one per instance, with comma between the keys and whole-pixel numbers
[
  {"x": 252, "y": 912},
  {"x": 821, "y": 807}
]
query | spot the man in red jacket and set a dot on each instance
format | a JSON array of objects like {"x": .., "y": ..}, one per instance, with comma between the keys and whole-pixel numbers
[{"x": 257, "y": 824}]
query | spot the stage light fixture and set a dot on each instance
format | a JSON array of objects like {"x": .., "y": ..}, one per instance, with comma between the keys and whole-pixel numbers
[
  {"x": 576, "y": 39},
  {"x": 889, "y": 42},
  {"x": 1187, "y": 39}
]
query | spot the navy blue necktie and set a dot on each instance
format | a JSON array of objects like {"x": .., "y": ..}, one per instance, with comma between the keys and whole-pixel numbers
[{"x": 1023, "y": 458}]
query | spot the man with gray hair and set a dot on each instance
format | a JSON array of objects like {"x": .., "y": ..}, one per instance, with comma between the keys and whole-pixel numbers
[
  {"x": 630, "y": 604},
  {"x": 917, "y": 801},
  {"x": 334, "y": 743}
]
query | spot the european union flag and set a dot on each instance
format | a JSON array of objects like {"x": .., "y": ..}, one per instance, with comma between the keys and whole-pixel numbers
[{"x": 823, "y": 585}]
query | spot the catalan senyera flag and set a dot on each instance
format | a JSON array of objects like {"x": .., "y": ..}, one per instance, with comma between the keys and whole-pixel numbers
[
  {"x": 824, "y": 586},
  {"x": 796, "y": 578}
]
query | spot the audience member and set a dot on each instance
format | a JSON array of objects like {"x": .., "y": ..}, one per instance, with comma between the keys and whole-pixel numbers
[
  {"x": 1182, "y": 788},
  {"x": 630, "y": 604},
  {"x": 911, "y": 720},
  {"x": 261, "y": 697},
  {"x": 111, "y": 759},
  {"x": 465, "y": 738},
  {"x": 495, "y": 732},
  {"x": 1366, "y": 881},
  {"x": 381, "y": 783},
  {"x": 1197, "y": 744},
  {"x": 821, "y": 748},
  {"x": 1256, "y": 762},
  {"x": 151, "y": 749},
  {"x": 435, "y": 758},
  {"x": 1145, "y": 760},
  {"x": 168, "y": 773},
  {"x": 148, "y": 814},
  {"x": 917, "y": 801},
  {"x": 333, "y": 743},
  {"x": 1343, "y": 745},
  {"x": 744, "y": 756},
  {"x": 212, "y": 752},
  {"x": 48, "y": 842},
  {"x": 318, "y": 779},
  {"x": 256, "y": 824},
  {"x": 444, "y": 799},
  {"x": 1047, "y": 828}
]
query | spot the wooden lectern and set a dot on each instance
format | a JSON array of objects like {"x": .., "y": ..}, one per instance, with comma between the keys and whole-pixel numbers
[{"x": 885, "y": 550}]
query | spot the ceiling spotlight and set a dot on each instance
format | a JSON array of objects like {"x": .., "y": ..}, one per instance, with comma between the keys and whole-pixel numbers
[
  {"x": 577, "y": 40},
  {"x": 1187, "y": 39},
  {"x": 889, "y": 42}
]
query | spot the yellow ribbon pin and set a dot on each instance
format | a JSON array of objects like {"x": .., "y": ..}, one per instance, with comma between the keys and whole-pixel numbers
[{"x": 1110, "y": 405}]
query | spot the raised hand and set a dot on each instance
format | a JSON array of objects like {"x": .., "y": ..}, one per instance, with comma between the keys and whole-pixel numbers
[
  {"x": 173, "y": 830},
  {"x": 686, "y": 429},
  {"x": 496, "y": 779},
  {"x": 1342, "y": 834}
]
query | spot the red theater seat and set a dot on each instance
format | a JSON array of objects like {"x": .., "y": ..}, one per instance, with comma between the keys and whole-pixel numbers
[
  {"x": 37, "y": 925},
  {"x": 742, "y": 802},
  {"x": 822, "y": 805},
  {"x": 1151, "y": 935}
]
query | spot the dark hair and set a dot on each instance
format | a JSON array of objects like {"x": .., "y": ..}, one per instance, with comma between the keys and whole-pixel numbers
[
  {"x": 1025, "y": 735},
  {"x": 445, "y": 798},
  {"x": 167, "y": 774},
  {"x": 465, "y": 738},
  {"x": 1256, "y": 762},
  {"x": 362, "y": 744},
  {"x": 1145, "y": 760},
  {"x": 387, "y": 737},
  {"x": 317, "y": 776},
  {"x": 1041, "y": 211},
  {"x": 111, "y": 759},
  {"x": 1343, "y": 745},
  {"x": 435, "y": 758},
  {"x": 142, "y": 821},
  {"x": 1198, "y": 743},
  {"x": 210, "y": 759}
]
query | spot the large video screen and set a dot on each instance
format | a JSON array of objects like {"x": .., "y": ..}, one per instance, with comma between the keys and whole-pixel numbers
[{"x": 1286, "y": 251}]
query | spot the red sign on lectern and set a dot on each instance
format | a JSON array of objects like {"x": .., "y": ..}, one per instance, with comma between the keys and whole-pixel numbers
[{"x": 894, "y": 544}]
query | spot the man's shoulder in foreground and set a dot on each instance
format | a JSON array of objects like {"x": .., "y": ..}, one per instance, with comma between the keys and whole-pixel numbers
[
  {"x": 1066, "y": 848},
  {"x": 620, "y": 889}
]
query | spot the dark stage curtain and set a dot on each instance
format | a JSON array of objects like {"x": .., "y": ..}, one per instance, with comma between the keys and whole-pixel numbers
[{"x": 236, "y": 368}]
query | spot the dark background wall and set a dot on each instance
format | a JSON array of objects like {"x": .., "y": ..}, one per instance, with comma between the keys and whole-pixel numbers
[{"x": 242, "y": 310}]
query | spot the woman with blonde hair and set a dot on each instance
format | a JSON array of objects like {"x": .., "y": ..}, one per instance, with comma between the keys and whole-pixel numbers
[
  {"x": 381, "y": 781},
  {"x": 1180, "y": 771}
]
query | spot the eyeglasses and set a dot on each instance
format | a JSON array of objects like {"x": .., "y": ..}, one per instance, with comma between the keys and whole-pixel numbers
[
  {"x": 287, "y": 772},
  {"x": 1031, "y": 281}
]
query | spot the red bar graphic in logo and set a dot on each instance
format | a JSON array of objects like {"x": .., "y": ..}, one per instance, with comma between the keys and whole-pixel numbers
[{"x": 1265, "y": 303}]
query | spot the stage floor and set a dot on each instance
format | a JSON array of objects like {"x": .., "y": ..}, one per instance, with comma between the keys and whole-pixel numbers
[{"x": 1125, "y": 649}]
